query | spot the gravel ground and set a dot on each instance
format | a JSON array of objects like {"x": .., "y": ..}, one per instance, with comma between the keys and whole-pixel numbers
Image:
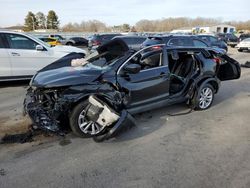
[{"x": 201, "y": 149}]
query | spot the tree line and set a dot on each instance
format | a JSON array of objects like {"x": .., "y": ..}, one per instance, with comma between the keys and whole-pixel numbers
[
  {"x": 160, "y": 25},
  {"x": 51, "y": 21},
  {"x": 41, "y": 21}
]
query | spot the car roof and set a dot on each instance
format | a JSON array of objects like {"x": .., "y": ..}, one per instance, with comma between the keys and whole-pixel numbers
[
  {"x": 130, "y": 36},
  {"x": 12, "y": 32}
]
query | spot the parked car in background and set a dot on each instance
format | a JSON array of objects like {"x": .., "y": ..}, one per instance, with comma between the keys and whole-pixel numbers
[
  {"x": 244, "y": 45},
  {"x": 99, "y": 97},
  {"x": 100, "y": 39},
  {"x": 213, "y": 41},
  {"x": 62, "y": 40},
  {"x": 133, "y": 42},
  {"x": 244, "y": 36},
  {"x": 77, "y": 41},
  {"x": 229, "y": 38},
  {"x": 50, "y": 41},
  {"x": 21, "y": 55},
  {"x": 178, "y": 40}
]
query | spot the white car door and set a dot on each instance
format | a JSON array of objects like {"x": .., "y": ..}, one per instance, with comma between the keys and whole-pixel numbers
[
  {"x": 25, "y": 59},
  {"x": 5, "y": 67}
]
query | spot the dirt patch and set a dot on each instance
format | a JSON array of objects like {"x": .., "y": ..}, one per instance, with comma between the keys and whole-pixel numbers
[{"x": 10, "y": 126}]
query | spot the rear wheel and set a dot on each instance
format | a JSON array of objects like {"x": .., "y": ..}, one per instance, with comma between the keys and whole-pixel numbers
[
  {"x": 69, "y": 44},
  {"x": 81, "y": 125},
  {"x": 240, "y": 50},
  {"x": 205, "y": 97}
]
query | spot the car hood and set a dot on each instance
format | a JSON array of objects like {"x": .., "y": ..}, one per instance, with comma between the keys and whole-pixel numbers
[
  {"x": 66, "y": 76},
  {"x": 67, "y": 49},
  {"x": 61, "y": 73}
]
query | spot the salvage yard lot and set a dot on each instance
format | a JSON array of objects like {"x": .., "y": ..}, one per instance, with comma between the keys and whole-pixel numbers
[{"x": 202, "y": 149}]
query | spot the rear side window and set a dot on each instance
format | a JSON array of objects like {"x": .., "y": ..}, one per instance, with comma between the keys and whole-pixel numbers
[
  {"x": 179, "y": 42},
  {"x": 20, "y": 42}
]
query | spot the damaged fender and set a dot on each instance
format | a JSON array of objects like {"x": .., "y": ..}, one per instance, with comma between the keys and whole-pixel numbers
[{"x": 104, "y": 115}]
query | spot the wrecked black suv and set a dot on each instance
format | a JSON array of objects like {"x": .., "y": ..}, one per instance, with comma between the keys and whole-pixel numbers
[{"x": 100, "y": 95}]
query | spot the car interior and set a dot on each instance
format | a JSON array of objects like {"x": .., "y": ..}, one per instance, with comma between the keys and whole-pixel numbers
[{"x": 182, "y": 65}]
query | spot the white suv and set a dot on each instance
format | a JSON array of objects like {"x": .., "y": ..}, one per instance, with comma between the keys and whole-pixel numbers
[{"x": 21, "y": 55}]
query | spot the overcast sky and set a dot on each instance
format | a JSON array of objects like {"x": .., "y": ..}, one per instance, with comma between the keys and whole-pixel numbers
[{"x": 114, "y": 12}]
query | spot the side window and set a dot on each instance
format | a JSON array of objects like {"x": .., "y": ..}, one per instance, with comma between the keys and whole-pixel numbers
[
  {"x": 204, "y": 38},
  {"x": 185, "y": 42},
  {"x": 147, "y": 60},
  {"x": 20, "y": 42},
  {"x": 1, "y": 42},
  {"x": 130, "y": 41},
  {"x": 198, "y": 43},
  {"x": 151, "y": 61},
  {"x": 213, "y": 39},
  {"x": 173, "y": 42}
]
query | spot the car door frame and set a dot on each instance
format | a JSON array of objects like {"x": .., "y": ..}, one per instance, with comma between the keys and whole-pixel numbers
[
  {"x": 149, "y": 103},
  {"x": 7, "y": 75}
]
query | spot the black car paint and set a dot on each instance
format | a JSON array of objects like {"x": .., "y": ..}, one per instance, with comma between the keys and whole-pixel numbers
[
  {"x": 62, "y": 88},
  {"x": 214, "y": 41},
  {"x": 185, "y": 40}
]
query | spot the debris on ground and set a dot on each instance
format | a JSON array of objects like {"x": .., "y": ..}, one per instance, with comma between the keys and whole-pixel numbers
[
  {"x": 246, "y": 65},
  {"x": 24, "y": 137}
]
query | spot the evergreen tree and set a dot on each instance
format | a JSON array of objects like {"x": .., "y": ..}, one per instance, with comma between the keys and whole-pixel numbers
[
  {"x": 30, "y": 21},
  {"x": 52, "y": 20},
  {"x": 41, "y": 20}
]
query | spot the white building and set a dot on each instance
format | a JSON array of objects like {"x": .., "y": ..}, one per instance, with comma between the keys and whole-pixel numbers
[
  {"x": 222, "y": 28},
  {"x": 183, "y": 30}
]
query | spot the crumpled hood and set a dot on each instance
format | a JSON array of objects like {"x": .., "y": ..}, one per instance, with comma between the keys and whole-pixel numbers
[{"x": 65, "y": 76}]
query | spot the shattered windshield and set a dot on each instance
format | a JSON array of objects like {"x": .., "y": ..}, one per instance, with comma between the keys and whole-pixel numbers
[{"x": 97, "y": 60}]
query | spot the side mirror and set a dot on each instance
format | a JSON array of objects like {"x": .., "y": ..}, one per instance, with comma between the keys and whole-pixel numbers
[
  {"x": 132, "y": 68},
  {"x": 39, "y": 48}
]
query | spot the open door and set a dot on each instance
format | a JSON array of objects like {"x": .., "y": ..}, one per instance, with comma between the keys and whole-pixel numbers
[{"x": 229, "y": 69}]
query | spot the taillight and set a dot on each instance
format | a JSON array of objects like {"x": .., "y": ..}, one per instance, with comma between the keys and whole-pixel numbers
[
  {"x": 96, "y": 43},
  {"x": 156, "y": 47},
  {"x": 217, "y": 60}
]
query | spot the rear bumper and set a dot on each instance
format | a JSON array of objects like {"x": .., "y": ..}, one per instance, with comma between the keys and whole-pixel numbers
[{"x": 232, "y": 43}]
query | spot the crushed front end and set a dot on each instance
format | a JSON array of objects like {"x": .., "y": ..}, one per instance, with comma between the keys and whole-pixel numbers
[{"x": 46, "y": 108}]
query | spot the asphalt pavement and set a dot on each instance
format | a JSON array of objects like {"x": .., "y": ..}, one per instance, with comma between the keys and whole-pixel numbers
[{"x": 201, "y": 149}]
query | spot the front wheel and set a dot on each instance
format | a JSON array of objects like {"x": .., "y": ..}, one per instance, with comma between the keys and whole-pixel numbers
[
  {"x": 205, "y": 97},
  {"x": 81, "y": 125}
]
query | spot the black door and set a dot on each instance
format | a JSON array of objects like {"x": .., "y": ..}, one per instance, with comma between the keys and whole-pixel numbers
[
  {"x": 148, "y": 86},
  {"x": 229, "y": 69}
]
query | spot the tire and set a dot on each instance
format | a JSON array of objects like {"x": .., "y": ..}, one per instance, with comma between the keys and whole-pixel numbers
[
  {"x": 79, "y": 122},
  {"x": 205, "y": 97},
  {"x": 69, "y": 44},
  {"x": 239, "y": 50}
]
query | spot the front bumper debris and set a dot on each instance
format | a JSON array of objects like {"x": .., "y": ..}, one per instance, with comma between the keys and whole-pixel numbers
[{"x": 41, "y": 119}]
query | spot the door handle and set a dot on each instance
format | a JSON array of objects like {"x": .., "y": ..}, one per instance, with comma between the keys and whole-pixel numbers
[{"x": 15, "y": 54}]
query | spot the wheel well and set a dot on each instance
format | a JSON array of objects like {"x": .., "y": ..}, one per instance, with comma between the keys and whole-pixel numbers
[{"x": 215, "y": 85}]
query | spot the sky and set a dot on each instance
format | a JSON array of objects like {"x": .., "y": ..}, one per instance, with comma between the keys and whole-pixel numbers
[{"x": 115, "y": 12}]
